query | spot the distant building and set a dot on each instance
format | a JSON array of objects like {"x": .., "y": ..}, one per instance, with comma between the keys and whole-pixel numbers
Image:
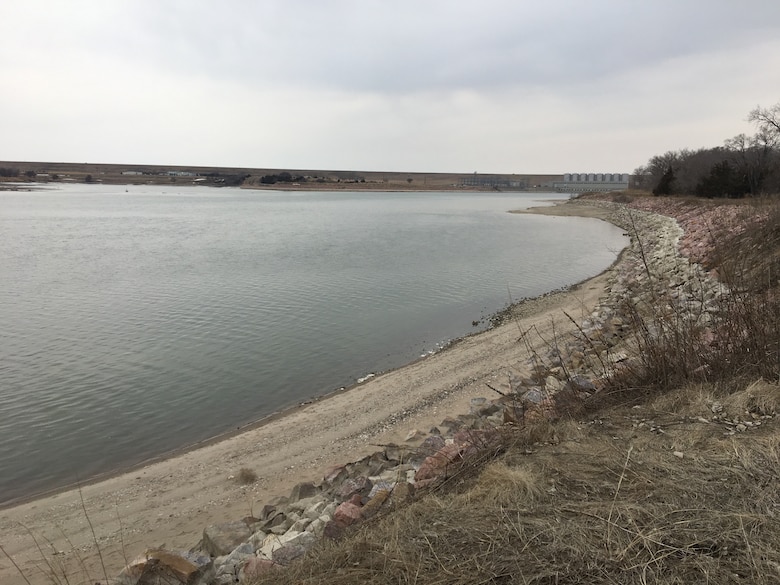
[
  {"x": 134, "y": 173},
  {"x": 579, "y": 182},
  {"x": 476, "y": 180}
]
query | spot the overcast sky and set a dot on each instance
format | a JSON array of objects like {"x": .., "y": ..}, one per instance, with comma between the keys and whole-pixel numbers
[{"x": 505, "y": 86}]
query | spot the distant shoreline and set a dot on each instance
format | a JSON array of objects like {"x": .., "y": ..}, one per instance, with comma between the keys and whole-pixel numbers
[
  {"x": 265, "y": 178},
  {"x": 304, "y": 187}
]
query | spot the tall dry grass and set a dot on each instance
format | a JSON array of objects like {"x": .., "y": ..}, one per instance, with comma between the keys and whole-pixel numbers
[
  {"x": 672, "y": 478},
  {"x": 630, "y": 497}
]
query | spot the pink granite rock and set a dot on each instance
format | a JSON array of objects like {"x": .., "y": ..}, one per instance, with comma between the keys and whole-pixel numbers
[{"x": 347, "y": 514}]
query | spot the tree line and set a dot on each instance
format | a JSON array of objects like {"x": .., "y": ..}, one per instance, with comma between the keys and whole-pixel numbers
[{"x": 743, "y": 166}]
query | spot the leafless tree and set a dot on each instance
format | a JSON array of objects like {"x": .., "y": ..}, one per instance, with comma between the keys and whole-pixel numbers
[
  {"x": 767, "y": 119},
  {"x": 754, "y": 156}
]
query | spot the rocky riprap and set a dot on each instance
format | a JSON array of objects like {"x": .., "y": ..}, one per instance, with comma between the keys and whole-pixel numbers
[{"x": 650, "y": 273}]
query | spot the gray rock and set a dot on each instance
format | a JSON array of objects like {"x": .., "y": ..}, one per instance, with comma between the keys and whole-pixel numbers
[
  {"x": 358, "y": 485},
  {"x": 303, "y": 490},
  {"x": 304, "y": 504},
  {"x": 301, "y": 524},
  {"x": 317, "y": 526},
  {"x": 289, "y": 520},
  {"x": 580, "y": 384},
  {"x": 329, "y": 510},
  {"x": 335, "y": 476},
  {"x": 273, "y": 521},
  {"x": 483, "y": 407},
  {"x": 315, "y": 510},
  {"x": 393, "y": 475},
  {"x": 451, "y": 424},
  {"x": 467, "y": 421},
  {"x": 533, "y": 396},
  {"x": 255, "y": 567},
  {"x": 380, "y": 485},
  {"x": 305, "y": 539},
  {"x": 372, "y": 464},
  {"x": 476, "y": 403},
  {"x": 394, "y": 452},
  {"x": 288, "y": 553},
  {"x": 256, "y": 540},
  {"x": 221, "y": 539},
  {"x": 232, "y": 563},
  {"x": 277, "y": 504},
  {"x": 552, "y": 384},
  {"x": 427, "y": 448},
  {"x": 272, "y": 543}
]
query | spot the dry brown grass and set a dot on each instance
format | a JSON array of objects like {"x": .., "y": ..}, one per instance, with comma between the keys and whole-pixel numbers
[
  {"x": 635, "y": 495},
  {"x": 672, "y": 477}
]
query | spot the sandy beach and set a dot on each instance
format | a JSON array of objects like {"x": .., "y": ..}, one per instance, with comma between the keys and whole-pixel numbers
[{"x": 169, "y": 502}]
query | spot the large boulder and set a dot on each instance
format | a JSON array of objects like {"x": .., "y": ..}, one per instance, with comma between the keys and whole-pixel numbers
[{"x": 164, "y": 567}]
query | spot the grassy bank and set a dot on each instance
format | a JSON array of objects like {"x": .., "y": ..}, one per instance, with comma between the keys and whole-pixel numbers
[{"x": 668, "y": 474}]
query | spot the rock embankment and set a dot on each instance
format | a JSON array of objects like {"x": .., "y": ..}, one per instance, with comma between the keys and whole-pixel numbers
[{"x": 651, "y": 273}]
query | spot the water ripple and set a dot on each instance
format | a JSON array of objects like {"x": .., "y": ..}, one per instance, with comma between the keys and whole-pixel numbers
[{"x": 137, "y": 323}]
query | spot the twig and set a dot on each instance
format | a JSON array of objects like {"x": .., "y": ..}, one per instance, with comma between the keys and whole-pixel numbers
[
  {"x": 94, "y": 537},
  {"x": 17, "y": 567},
  {"x": 496, "y": 390},
  {"x": 617, "y": 491},
  {"x": 52, "y": 573},
  {"x": 122, "y": 532}
]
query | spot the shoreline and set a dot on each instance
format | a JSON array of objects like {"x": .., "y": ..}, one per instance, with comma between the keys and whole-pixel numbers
[
  {"x": 496, "y": 319},
  {"x": 194, "y": 485},
  {"x": 248, "y": 425}
]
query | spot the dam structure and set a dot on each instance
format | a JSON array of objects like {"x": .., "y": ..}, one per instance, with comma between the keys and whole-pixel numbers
[{"x": 579, "y": 182}]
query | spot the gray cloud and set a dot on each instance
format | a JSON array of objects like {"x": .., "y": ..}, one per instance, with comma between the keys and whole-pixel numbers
[
  {"x": 414, "y": 46},
  {"x": 433, "y": 85}
]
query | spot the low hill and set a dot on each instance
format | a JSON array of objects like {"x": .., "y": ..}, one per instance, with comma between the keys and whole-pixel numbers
[{"x": 259, "y": 178}]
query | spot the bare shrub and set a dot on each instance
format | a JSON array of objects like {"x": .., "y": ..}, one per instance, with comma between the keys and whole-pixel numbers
[
  {"x": 736, "y": 339},
  {"x": 246, "y": 476}
]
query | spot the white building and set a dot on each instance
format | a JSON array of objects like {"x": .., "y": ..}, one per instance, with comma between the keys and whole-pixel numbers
[{"x": 579, "y": 182}]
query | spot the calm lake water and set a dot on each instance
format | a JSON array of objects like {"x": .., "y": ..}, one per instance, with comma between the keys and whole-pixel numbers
[{"x": 141, "y": 321}]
